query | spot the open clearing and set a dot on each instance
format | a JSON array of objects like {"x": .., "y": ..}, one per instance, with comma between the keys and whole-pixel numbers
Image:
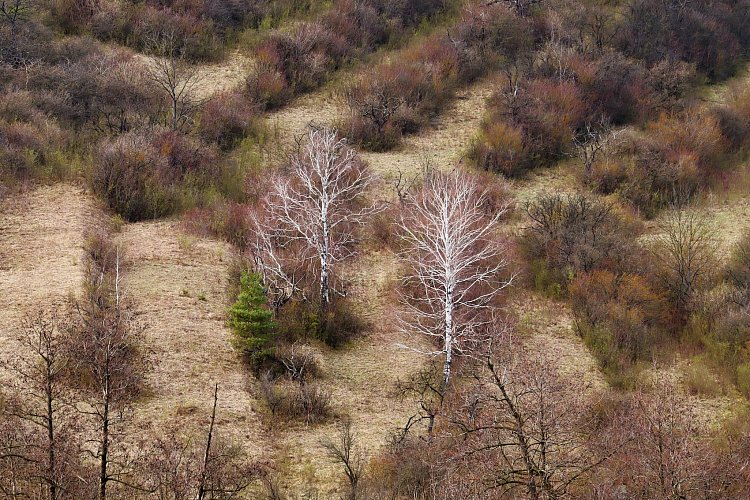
[
  {"x": 41, "y": 245},
  {"x": 178, "y": 283}
]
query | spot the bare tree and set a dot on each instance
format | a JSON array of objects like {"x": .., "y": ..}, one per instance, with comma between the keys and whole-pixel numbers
[
  {"x": 594, "y": 140},
  {"x": 686, "y": 253},
  {"x": 670, "y": 452},
  {"x": 521, "y": 7},
  {"x": 173, "y": 75},
  {"x": 375, "y": 101},
  {"x": 16, "y": 472},
  {"x": 105, "y": 347},
  {"x": 189, "y": 469},
  {"x": 316, "y": 210},
  {"x": 522, "y": 429},
  {"x": 121, "y": 97},
  {"x": 39, "y": 403},
  {"x": 347, "y": 453},
  {"x": 283, "y": 272},
  {"x": 13, "y": 12},
  {"x": 454, "y": 262},
  {"x": 428, "y": 387}
]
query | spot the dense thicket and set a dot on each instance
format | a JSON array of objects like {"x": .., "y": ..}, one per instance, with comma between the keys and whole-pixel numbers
[
  {"x": 290, "y": 63},
  {"x": 605, "y": 63}
]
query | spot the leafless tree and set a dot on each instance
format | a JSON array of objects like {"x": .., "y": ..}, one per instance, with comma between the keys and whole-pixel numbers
[
  {"x": 316, "y": 210},
  {"x": 598, "y": 22},
  {"x": 670, "y": 453},
  {"x": 121, "y": 98},
  {"x": 283, "y": 272},
  {"x": 39, "y": 402},
  {"x": 454, "y": 262},
  {"x": 594, "y": 140},
  {"x": 173, "y": 75},
  {"x": 521, "y": 7},
  {"x": 522, "y": 430},
  {"x": 429, "y": 390},
  {"x": 686, "y": 253},
  {"x": 347, "y": 453},
  {"x": 105, "y": 347},
  {"x": 206, "y": 469},
  {"x": 299, "y": 361},
  {"x": 185, "y": 468},
  {"x": 16, "y": 471},
  {"x": 12, "y": 12},
  {"x": 376, "y": 104}
]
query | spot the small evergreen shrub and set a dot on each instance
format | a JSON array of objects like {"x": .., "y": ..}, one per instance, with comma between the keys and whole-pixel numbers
[{"x": 251, "y": 319}]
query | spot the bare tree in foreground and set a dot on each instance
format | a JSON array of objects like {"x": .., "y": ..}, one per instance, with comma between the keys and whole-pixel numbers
[
  {"x": 186, "y": 469},
  {"x": 346, "y": 452},
  {"x": 671, "y": 452},
  {"x": 105, "y": 348},
  {"x": 38, "y": 405},
  {"x": 454, "y": 262},
  {"x": 522, "y": 430},
  {"x": 427, "y": 386},
  {"x": 317, "y": 208}
]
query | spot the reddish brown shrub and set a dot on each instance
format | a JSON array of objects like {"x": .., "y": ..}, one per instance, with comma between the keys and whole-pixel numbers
[
  {"x": 144, "y": 176},
  {"x": 400, "y": 96},
  {"x": 532, "y": 127},
  {"x": 695, "y": 134},
  {"x": 499, "y": 148},
  {"x": 576, "y": 234},
  {"x": 620, "y": 89},
  {"x": 227, "y": 119},
  {"x": 619, "y": 317},
  {"x": 230, "y": 221}
]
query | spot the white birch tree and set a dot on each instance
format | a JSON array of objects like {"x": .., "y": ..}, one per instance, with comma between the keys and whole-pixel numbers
[
  {"x": 454, "y": 262},
  {"x": 315, "y": 210}
]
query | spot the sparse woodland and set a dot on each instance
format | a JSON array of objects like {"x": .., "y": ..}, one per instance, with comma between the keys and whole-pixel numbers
[{"x": 207, "y": 294}]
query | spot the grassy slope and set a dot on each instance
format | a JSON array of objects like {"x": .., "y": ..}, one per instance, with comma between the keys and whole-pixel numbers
[
  {"x": 41, "y": 245},
  {"x": 40, "y": 248},
  {"x": 178, "y": 283}
]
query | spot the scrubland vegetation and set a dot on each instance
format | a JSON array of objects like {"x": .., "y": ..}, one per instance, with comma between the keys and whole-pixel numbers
[{"x": 327, "y": 258}]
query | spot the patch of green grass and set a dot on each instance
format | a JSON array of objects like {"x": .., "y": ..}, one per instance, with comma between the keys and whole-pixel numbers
[{"x": 699, "y": 380}]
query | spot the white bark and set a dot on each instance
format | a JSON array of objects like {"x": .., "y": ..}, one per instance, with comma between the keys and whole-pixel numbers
[
  {"x": 315, "y": 209},
  {"x": 454, "y": 262}
]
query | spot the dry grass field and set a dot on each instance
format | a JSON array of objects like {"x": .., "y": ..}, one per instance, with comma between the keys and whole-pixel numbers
[{"x": 179, "y": 285}]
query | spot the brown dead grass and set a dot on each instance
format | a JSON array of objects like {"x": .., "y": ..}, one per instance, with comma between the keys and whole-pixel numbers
[
  {"x": 443, "y": 143},
  {"x": 41, "y": 244},
  {"x": 211, "y": 79},
  {"x": 178, "y": 284},
  {"x": 546, "y": 327}
]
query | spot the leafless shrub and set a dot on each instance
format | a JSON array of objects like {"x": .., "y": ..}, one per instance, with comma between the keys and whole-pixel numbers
[
  {"x": 686, "y": 256},
  {"x": 521, "y": 429},
  {"x": 346, "y": 453}
]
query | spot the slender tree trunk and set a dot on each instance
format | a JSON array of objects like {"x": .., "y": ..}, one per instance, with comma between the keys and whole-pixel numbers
[
  {"x": 174, "y": 113},
  {"x": 448, "y": 336},
  {"x": 207, "y": 454},
  {"x": 104, "y": 459},
  {"x": 324, "y": 259},
  {"x": 324, "y": 279},
  {"x": 531, "y": 469},
  {"x": 50, "y": 433}
]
